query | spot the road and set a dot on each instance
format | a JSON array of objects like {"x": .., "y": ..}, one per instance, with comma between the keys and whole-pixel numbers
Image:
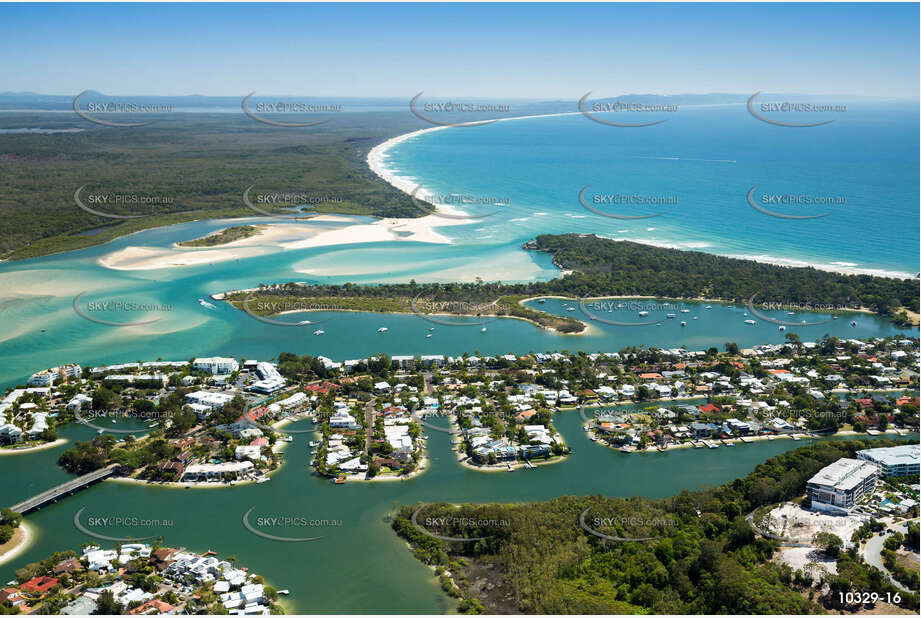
[
  {"x": 871, "y": 552},
  {"x": 369, "y": 425}
]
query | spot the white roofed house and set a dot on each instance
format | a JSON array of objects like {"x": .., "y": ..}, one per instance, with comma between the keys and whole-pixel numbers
[
  {"x": 213, "y": 400},
  {"x": 10, "y": 434},
  {"x": 43, "y": 378},
  {"x": 77, "y": 402},
  {"x": 399, "y": 439},
  {"x": 381, "y": 388},
  {"x": 838, "y": 487},
  {"x": 216, "y": 365},
  {"x": 343, "y": 420},
  {"x": 39, "y": 424}
]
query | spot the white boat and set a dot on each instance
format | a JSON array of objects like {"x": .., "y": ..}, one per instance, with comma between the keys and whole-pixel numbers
[
  {"x": 382, "y": 329},
  {"x": 685, "y": 310},
  {"x": 285, "y": 591},
  {"x": 745, "y": 314},
  {"x": 643, "y": 314},
  {"x": 429, "y": 336},
  {"x": 790, "y": 313},
  {"x": 781, "y": 328},
  {"x": 749, "y": 321},
  {"x": 542, "y": 301},
  {"x": 670, "y": 316},
  {"x": 694, "y": 318},
  {"x": 431, "y": 329},
  {"x": 319, "y": 332},
  {"x": 708, "y": 307},
  {"x": 483, "y": 330},
  {"x": 853, "y": 323},
  {"x": 683, "y": 323},
  {"x": 570, "y": 308},
  {"x": 206, "y": 304}
]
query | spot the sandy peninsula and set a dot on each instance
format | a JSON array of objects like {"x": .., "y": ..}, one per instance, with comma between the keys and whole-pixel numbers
[{"x": 16, "y": 545}]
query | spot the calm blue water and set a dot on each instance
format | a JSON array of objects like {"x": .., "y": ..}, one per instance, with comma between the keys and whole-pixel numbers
[{"x": 705, "y": 158}]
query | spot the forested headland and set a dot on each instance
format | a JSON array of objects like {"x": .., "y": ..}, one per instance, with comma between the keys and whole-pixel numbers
[{"x": 700, "y": 556}]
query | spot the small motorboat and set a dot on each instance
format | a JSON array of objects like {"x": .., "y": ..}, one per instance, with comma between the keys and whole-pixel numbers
[
  {"x": 694, "y": 318},
  {"x": 570, "y": 308},
  {"x": 429, "y": 336},
  {"x": 749, "y": 321},
  {"x": 781, "y": 328},
  {"x": 542, "y": 301},
  {"x": 683, "y": 323},
  {"x": 340, "y": 480},
  {"x": 834, "y": 317},
  {"x": 431, "y": 329},
  {"x": 483, "y": 330},
  {"x": 708, "y": 307},
  {"x": 670, "y": 316},
  {"x": 206, "y": 304},
  {"x": 319, "y": 332},
  {"x": 853, "y": 323},
  {"x": 685, "y": 310},
  {"x": 643, "y": 314}
]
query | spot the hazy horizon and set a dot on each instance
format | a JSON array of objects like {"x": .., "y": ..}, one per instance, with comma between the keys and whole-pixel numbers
[{"x": 499, "y": 51}]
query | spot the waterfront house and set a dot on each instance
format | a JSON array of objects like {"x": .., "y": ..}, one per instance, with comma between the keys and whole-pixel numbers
[
  {"x": 701, "y": 430},
  {"x": 68, "y": 567},
  {"x": 12, "y": 596},
  {"x": 39, "y": 586}
]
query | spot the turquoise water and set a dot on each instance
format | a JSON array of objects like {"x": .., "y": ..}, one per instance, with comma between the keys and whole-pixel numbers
[
  {"x": 706, "y": 158},
  {"x": 39, "y": 294}
]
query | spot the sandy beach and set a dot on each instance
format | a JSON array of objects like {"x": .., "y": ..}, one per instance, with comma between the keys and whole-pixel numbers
[
  {"x": 32, "y": 449},
  {"x": 16, "y": 545},
  {"x": 282, "y": 237}
]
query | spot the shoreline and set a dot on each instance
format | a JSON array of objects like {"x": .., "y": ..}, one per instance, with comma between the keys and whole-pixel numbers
[
  {"x": 588, "y": 327},
  {"x": 377, "y": 164},
  {"x": 33, "y": 449},
  {"x": 734, "y": 441},
  {"x": 15, "y": 547}
]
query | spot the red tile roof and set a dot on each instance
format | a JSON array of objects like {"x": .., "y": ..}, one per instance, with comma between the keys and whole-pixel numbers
[{"x": 39, "y": 585}]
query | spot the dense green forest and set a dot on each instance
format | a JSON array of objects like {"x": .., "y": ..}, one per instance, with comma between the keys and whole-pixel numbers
[
  {"x": 200, "y": 163},
  {"x": 227, "y": 235},
  {"x": 622, "y": 268},
  {"x": 604, "y": 267},
  {"x": 704, "y": 557}
]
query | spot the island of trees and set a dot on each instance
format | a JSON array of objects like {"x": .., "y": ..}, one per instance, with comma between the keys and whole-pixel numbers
[{"x": 599, "y": 267}]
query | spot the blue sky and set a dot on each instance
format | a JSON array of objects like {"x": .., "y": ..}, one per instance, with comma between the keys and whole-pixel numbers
[{"x": 477, "y": 50}]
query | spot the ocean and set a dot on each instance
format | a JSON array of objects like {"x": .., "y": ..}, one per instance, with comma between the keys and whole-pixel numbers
[{"x": 694, "y": 173}]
